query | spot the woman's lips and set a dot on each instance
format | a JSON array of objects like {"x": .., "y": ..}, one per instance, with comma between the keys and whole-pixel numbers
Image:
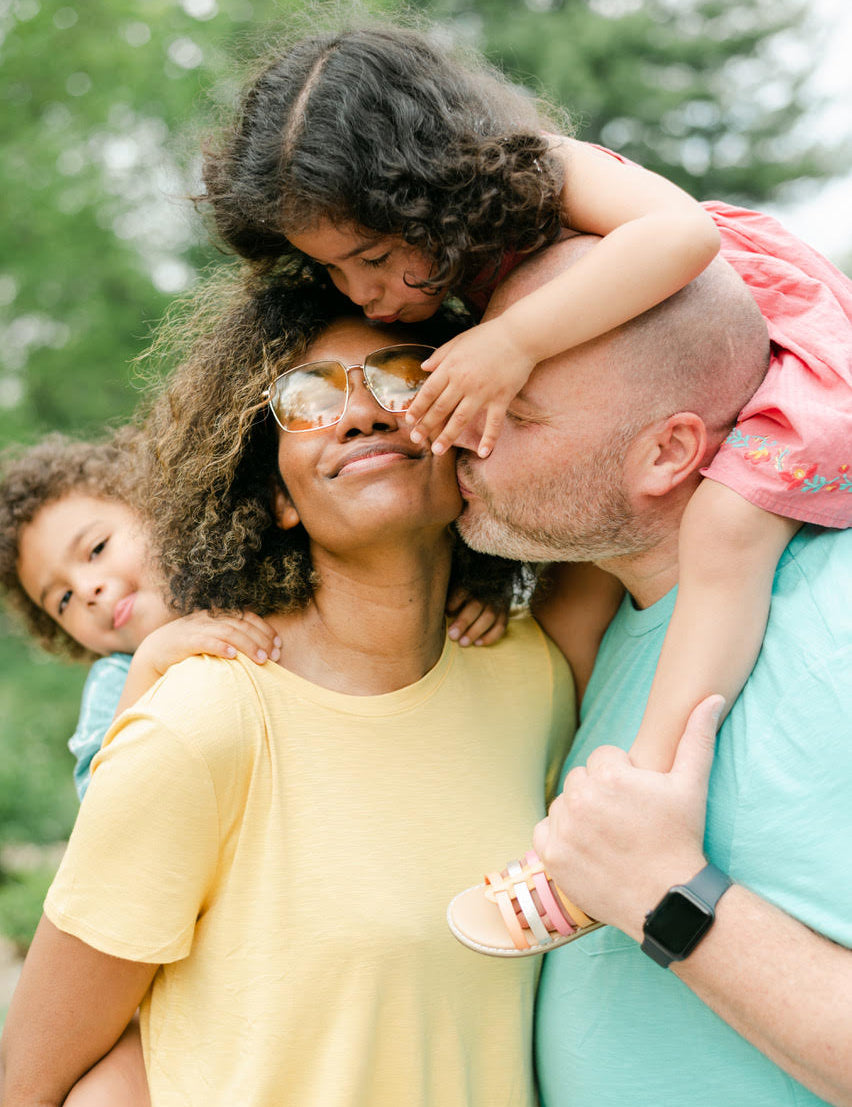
[
  {"x": 123, "y": 611},
  {"x": 368, "y": 462}
]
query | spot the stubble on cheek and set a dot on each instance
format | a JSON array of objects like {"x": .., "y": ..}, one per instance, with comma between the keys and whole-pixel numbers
[{"x": 578, "y": 513}]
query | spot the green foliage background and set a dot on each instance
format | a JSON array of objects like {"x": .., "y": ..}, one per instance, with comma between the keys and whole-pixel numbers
[{"x": 102, "y": 111}]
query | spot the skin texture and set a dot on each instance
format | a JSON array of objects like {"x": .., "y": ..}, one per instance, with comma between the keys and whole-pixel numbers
[{"x": 79, "y": 558}]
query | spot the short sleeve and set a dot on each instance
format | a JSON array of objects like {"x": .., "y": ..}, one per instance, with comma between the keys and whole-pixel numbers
[
  {"x": 101, "y": 694},
  {"x": 144, "y": 850}
]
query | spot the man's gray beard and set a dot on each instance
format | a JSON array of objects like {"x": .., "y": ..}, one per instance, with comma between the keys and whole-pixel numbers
[{"x": 581, "y": 514}]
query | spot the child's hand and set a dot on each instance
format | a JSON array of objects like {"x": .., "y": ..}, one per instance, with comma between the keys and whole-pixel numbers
[
  {"x": 482, "y": 368},
  {"x": 203, "y": 632},
  {"x": 474, "y": 621}
]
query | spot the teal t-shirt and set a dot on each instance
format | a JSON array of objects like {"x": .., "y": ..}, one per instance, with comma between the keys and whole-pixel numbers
[{"x": 613, "y": 1028}]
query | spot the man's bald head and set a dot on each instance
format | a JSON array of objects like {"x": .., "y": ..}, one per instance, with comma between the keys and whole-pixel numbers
[{"x": 704, "y": 350}]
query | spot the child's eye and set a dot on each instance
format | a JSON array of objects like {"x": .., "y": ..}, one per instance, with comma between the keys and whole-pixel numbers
[
  {"x": 99, "y": 548},
  {"x": 376, "y": 263},
  {"x": 64, "y": 600}
]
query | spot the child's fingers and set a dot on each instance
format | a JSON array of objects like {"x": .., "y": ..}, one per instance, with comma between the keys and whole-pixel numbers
[
  {"x": 481, "y": 627},
  {"x": 434, "y": 420},
  {"x": 429, "y": 392},
  {"x": 456, "y": 598},
  {"x": 256, "y": 642},
  {"x": 464, "y": 414},
  {"x": 263, "y": 632},
  {"x": 491, "y": 432},
  {"x": 463, "y": 620},
  {"x": 495, "y": 633}
]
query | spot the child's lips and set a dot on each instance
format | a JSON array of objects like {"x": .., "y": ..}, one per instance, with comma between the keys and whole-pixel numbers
[{"x": 123, "y": 611}]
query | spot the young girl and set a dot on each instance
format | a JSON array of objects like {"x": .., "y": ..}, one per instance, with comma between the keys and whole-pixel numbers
[{"x": 411, "y": 176}]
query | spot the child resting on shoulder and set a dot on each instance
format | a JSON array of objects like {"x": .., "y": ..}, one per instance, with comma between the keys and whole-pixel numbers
[{"x": 75, "y": 563}]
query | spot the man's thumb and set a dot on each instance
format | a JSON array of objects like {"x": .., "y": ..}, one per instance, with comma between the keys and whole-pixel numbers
[{"x": 698, "y": 744}]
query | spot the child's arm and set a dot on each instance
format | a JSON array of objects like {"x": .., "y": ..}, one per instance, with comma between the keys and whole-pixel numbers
[
  {"x": 200, "y": 632},
  {"x": 728, "y": 552},
  {"x": 574, "y": 604},
  {"x": 473, "y": 621},
  {"x": 654, "y": 240}
]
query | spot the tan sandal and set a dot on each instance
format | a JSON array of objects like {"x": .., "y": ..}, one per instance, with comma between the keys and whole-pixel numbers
[{"x": 488, "y": 917}]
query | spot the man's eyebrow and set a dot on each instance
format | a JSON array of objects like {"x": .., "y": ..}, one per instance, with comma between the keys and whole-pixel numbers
[{"x": 72, "y": 544}]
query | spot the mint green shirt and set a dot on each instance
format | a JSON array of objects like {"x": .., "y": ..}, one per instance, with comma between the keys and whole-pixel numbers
[{"x": 616, "y": 1030}]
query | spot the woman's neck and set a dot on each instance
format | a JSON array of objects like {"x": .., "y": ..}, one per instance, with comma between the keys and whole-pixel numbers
[{"x": 376, "y": 621}]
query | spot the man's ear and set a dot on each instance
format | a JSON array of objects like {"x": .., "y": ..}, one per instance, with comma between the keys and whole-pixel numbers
[
  {"x": 286, "y": 515},
  {"x": 665, "y": 454}
]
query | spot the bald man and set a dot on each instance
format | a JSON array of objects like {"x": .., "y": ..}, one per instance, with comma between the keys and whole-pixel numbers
[{"x": 725, "y": 975}]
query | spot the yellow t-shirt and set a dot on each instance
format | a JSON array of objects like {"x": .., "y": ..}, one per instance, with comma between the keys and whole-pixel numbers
[{"x": 288, "y": 852}]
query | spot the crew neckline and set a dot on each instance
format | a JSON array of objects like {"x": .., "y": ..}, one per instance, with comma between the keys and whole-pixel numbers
[{"x": 386, "y": 703}]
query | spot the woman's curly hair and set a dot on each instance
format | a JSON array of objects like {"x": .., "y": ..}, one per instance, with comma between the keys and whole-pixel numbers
[
  {"x": 214, "y": 452},
  {"x": 32, "y": 477},
  {"x": 395, "y": 132}
]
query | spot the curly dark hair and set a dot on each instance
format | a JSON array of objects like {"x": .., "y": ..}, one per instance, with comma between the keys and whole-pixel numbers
[
  {"x": 398, "y": 133},
  {"x": 32, "y": 477},
  {"x": 213, "y": 442}
]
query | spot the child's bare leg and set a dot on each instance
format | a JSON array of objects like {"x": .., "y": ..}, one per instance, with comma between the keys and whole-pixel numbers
[
  {"x": 117, "y": 1080},
  {"x": 728, "y": 552}
]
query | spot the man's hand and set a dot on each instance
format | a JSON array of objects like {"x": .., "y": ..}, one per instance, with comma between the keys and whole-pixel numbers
[{"x": 619, "y": 837}]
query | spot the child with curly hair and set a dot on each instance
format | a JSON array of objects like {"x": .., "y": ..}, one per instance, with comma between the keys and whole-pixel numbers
[
  {"x": 76, "y": 565},
  {"x": 411, "y": 175}
]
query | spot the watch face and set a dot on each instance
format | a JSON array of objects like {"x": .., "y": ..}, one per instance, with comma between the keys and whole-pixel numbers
[{"x": 677, "y": 922}]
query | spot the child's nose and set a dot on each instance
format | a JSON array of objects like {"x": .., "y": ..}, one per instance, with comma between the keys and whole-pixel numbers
[
  {"x": 92, "y": 588},
  {"x": 364, "y": 290}
]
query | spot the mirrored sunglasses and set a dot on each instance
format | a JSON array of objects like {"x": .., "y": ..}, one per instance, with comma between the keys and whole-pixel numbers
[{"x": 314, "y": 395}]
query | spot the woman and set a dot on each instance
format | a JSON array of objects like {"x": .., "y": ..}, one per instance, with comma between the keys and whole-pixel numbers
[{"x": 264, "y": 856}]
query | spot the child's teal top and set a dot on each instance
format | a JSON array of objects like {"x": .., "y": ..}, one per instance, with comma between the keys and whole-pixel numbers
[{"x": 101, "y": 694}]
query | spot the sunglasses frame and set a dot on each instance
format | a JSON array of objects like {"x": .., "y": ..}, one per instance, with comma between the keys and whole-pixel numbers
[{"x": 267, "y": 392}]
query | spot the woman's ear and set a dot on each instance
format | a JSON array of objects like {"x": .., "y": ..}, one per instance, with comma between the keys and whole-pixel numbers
[{"x": 286, "y": 515}]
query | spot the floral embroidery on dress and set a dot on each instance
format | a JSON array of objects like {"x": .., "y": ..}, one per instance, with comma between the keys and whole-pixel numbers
[{"x": 760, "y": 449}]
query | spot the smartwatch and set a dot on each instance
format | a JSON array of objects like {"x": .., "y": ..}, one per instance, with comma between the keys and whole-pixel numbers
[{"x": 683, "y": 916}]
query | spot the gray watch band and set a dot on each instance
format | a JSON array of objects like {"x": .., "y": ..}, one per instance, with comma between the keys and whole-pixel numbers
[
  {"x": 709, "y": 885},
  {"x": 703, "y": 891}
]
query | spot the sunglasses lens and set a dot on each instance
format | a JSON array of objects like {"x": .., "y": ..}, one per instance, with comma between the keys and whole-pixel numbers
[
  {"x": 310, "y": 397},
  {"x": 395, "y": 376}
]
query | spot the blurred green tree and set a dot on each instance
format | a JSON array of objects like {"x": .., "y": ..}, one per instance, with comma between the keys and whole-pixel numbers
[{"x": 712, "y": 94}]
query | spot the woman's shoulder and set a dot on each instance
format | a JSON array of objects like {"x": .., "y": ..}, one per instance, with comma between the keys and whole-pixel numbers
[
  {"x": 525, "y": 642},
  {"x": 206, "y": 699}
]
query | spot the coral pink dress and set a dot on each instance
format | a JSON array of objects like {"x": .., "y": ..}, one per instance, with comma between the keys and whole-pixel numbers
[{"x": 791, "y": 449}]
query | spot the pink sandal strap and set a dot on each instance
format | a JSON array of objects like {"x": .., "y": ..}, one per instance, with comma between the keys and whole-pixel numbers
[
  {"x": 545, "y": 925},
  {"x": 555, "y": 915}
]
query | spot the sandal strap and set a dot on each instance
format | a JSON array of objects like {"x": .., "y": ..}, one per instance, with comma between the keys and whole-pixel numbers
[
  {"x": 522, "y": 892},
  {"x": 496, "y": 890},
  {"x": 569, "y": 908},
  {"x": 558, "y": 913},
  {"x": 555, "y": 914}
]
